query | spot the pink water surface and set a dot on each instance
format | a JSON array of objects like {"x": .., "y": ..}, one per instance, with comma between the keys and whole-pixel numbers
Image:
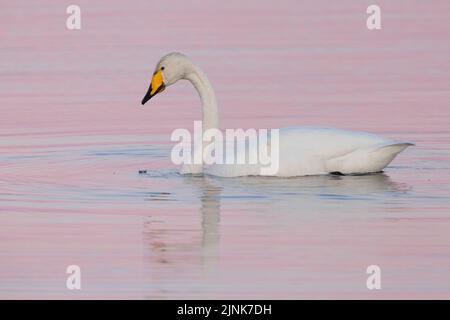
[{"x": 73, "y": 137}]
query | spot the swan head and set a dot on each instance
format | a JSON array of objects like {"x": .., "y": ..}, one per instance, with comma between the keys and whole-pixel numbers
[{"x": 170, "y": 68}]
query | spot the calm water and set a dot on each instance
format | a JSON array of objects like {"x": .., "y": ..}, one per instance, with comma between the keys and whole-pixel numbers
[{"x": 73, "y": 138}]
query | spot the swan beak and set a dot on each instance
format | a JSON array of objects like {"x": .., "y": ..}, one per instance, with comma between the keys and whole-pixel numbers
[{"x": 156, "y": 86}]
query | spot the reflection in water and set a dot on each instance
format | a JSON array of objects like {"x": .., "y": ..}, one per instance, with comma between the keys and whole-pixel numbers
[
  {"x": 211, "y": 216},
  {"x": 167, "y": 242},
  {"x": 210, "y": 212},
  {"x": 329, "y": 184},
  {"x": 172, "y": 240}
]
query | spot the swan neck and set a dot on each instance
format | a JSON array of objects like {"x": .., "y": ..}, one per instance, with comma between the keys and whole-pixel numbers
[{"x": 210, "y": 116}]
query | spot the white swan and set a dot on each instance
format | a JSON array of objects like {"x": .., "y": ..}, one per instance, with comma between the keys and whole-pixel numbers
[{"x": 302, "y": 150}]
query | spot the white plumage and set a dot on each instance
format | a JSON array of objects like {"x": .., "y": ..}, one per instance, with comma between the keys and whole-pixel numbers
[{"x": 302, "y": 150}]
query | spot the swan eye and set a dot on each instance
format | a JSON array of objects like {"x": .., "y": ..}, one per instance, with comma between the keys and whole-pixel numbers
[{"x": 162, "y": 68}]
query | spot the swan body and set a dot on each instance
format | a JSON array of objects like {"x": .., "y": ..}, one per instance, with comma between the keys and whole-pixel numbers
[
  {"x": 315, "y": 150},
  {"x": 302, "y": 150}
]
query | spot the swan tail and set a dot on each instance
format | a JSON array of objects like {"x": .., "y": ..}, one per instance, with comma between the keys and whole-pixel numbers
[
  {"x": 374, "y": 159},
  {"x": 392, "y": 147},
  {"x": 383, "y": 154}
]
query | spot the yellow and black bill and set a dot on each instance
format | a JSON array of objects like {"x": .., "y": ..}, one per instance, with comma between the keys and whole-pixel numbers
[{"x": 156, "y": 86}]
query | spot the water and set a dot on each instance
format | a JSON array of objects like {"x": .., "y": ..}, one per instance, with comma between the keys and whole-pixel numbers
[{"x": 73, "y": 139}]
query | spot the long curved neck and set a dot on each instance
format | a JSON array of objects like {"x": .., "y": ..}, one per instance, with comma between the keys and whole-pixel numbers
[{"x": 201, "y": 83}]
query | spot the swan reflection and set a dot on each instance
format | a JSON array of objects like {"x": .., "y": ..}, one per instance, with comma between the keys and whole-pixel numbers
[{"x": 183, "y": 244}]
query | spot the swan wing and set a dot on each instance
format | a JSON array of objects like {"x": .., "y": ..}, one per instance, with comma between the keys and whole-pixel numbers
[
  {"x": 367, "y": 160},
  {"x": 317, "y": 150}
]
